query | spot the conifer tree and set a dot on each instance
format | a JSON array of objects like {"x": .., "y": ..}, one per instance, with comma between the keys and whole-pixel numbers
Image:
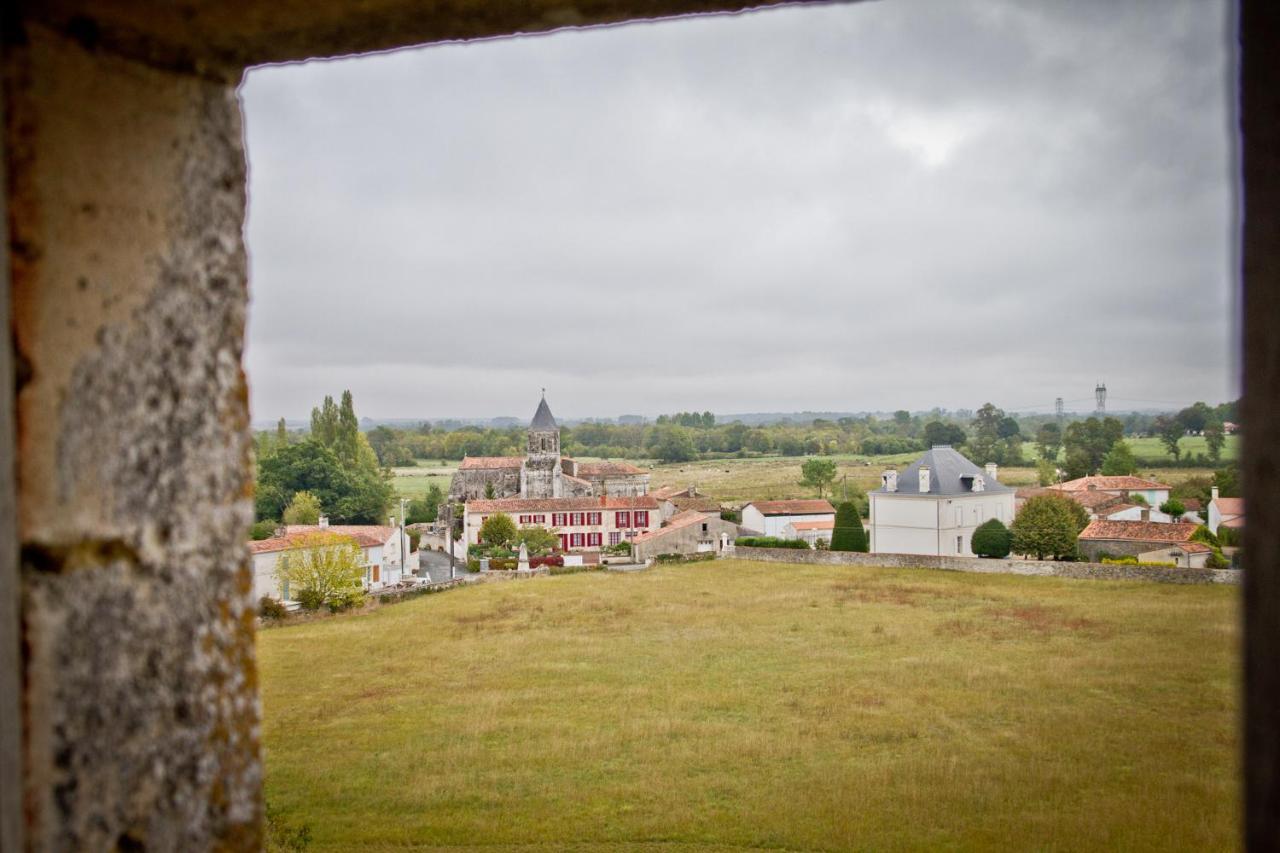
[{"x": 848, "y": 534}]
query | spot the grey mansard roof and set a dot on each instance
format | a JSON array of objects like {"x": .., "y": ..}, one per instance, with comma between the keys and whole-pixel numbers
[
  {"x": 542, "y": 419},
  {"x": 950, "y": 473}
]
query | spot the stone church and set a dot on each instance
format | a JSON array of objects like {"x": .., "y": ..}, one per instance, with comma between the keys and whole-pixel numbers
[{"x": 542, "y": 472}]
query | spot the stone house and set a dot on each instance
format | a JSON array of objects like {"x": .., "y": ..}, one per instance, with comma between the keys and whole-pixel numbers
[
  {"x": 768, "y": 518},
  {"x": 616, "y": 479},
  {"x": 687, "y": 533},
  {"x": 935, "y": 505},
  {"x": 581, "y": 523},
  {"x": 1132, "y": 538},
  {"x": 1122, "y": 487}
]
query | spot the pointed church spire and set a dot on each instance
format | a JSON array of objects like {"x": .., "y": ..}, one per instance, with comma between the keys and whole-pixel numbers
[{"x": 542, "y": 419}]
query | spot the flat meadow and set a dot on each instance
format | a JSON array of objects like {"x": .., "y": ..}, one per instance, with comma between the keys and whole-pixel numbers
[{"x": 737, "y": 705}]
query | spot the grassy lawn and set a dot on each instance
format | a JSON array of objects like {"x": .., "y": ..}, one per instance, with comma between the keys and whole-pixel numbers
[
  {"x": 413, "y": 482},
  {"x": 748, "y": 706},
  {"x": 1153, "y": 449}
]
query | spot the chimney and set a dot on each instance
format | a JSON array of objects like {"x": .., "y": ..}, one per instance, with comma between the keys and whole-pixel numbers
[
  {"x": 890, "y": 480},
  {"x": 693, "y": 490},
  {"x": 1213, "y": 493},
  {"x": 992, "y": 470},
  {"x": 924, "y": 479},
  {"x": 1146, "y": 514},
  {"x": 324, "y": 521}
]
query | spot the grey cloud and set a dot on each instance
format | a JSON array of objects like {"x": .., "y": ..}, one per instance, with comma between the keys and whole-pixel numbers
[{"x": 806, "y": 207}]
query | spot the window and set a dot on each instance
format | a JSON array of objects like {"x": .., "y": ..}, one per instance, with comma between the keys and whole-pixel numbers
[
  {"x": 593, "y": 539},
  {"x": 539, "y": 519},
  {"x": 704, "y": 527},
  {"x": 576, "y": 540},
  {"x": 577, "y": 519},
  {"x": 622, "y": 519},
  {"x": 642, "y": 518},
  {"x": 614, "y": 537},
  {"x": 593, "y": 517},
  {"x": 959, "y": 544},
  {"x": 557, "y": 519}
]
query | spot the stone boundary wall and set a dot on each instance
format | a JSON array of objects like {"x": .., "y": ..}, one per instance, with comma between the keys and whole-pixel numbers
[{"x": 978, "y": 565}]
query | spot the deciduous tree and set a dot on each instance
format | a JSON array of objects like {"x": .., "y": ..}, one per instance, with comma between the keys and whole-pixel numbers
[
  {"x": 1170, "y": 430},
  {"x": 818, "y": 474},
  {"x": 303, "y": 508},
  {"x": 326, "y": 569},
  {"x": 498, "y": 529},
  {"x": 1119, "y": 460},
  {"x": 1047, "y": 526},
  {"x": 1214, "y": 437}
]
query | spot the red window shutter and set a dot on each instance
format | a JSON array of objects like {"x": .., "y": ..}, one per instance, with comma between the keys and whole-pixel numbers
[
  {"x": 564, "y": 541},
  {"x": 642, "y": 518},
  {"x": 624, "y": 519}
]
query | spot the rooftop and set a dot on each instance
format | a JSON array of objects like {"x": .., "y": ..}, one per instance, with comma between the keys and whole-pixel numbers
[
  {"x": 542, "y": 419},
  {"x": 303, "y": 538},
  {"x": 509, "y": 505},
  {"x": 950, "y": 473},
  {"x": 1124, "y": 483},
  {"x": 604, "y": 469},
  {"x": 828, "y": 524},
  {"x": 1140, "y": 531},
  {"x": 472, "y": 463},
  {"x": 793, "y": 507},
  {"x": 684, "y": 519}
]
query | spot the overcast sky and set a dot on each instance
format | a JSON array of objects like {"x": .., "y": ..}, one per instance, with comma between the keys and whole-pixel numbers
[{"x": 856, "y": 207}]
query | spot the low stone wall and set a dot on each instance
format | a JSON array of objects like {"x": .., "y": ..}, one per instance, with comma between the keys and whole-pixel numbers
[{"x": 1043, "y": 568}]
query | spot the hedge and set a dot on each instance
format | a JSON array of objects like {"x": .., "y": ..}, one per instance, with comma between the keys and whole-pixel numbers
[{"x": 771, "y": 542}]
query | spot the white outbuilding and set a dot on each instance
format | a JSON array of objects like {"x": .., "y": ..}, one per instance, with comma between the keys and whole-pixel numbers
[{"x": 934, "y": 506}]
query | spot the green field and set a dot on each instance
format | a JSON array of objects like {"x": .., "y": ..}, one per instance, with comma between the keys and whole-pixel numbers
[
  {"x": 746, "y": 706},
  {"x": 1193, "y": 445},
  {"x": 414, "y": 482}
]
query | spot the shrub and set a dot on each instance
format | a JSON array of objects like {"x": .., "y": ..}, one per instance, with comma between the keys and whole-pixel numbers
[
  {"x": 555, "y": 560},
  {"x": 473, "y": 565},
  {"x": 1134, "y": 561},
  {"x": 992, "y": 539},
  {"x": 1216, "y": 560},
  {"x": 501, "y": 565},
  {"x": 269, "y": 608},
  {"x": 1205, "y": 535},
  {"x": 263, "y": 530},
  {"x": 311, "y": 599},
  {"x": 771, "y": 542},
  {"x": 734, "y": 515},
  {"x": 687, "y": 558},
  {"x": 848, "y": 534},
  {"x": 345, "y": 599},
  {"x": 1173, "y": 507}
]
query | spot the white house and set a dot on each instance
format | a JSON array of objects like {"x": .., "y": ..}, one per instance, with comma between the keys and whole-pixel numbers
[
  {"x": 267, "y": 553},
  {"x": 935, "y": 505},
  {"x": 810, "y": 531},
  {"x": 588, "y": 523},
  {"x": 1225, "y": 512},
  {"x": 771, "y": 517},
  {"x": 392, "y": 568}
]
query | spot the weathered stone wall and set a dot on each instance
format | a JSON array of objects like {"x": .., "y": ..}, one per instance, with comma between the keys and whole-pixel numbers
[
  {"x": 471, "y": 483},
  {"x": 1095, "y": 549},
  {"x": 684, "y": 540},
  {"x": 126, "y": 197},
  {"x": 1040, "y": 568}
]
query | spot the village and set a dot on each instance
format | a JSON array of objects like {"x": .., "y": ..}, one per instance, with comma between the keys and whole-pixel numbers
[{"x": 541, "y": 511}]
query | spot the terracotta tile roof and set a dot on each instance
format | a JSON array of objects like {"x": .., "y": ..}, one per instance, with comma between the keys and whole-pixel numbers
[
  {"x": 1192, "y": 504},
  {"x": 699, "y": 504},
  {"x": 1125, "y": 483},
  {"x": 1235, "y": 522},
  {"x": 1195, "y": 547},
  {"x": 509, "y": 505},
  {"x": 669, "y": 492},
  {"x": 814, "y": 525},
  {"x": 1230, "y": 506},
  {"x": 1120, "y": 507},
  {"x": 1096, "y": 501},
  {"x": 1140, "y": 531},
  {"x": 684, "y": 519},
  {"x": 607, "y": 469},
  {"x": 793, "y": 507},
  {"x": 299, "y": 539},
  {"x": 472, "y": 463},
  {"x": 1034, "y": 492},
  {"x": 577, "y": 480},
  {"x": 381, "y": 532}
]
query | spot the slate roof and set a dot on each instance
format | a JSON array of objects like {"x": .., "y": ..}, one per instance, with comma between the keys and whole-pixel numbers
[
  {"x": 542, "y": 419},
  {"x": 793, "y": 507},
  {"x": 509, "y": 505},
  {"x": 948, "y": 470},
  {"x": 1140, "y": 531},
  {"x": 472, "y": 463}
]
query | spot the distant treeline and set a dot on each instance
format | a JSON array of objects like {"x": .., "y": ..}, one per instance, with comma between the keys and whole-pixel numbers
[{"x": 988, "y": 434}]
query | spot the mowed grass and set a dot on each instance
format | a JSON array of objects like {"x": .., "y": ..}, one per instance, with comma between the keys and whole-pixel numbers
[{"x": 747, "y": 706}]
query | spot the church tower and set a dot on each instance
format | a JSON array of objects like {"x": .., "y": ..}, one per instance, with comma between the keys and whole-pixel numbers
[{"x": 540, "y": 475}]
